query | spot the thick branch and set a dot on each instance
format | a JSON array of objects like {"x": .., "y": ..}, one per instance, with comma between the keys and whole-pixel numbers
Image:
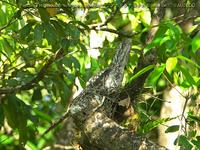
[{"x": 105, "y": 134}]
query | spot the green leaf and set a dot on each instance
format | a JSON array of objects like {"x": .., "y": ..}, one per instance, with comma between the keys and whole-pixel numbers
[
  {"x": 161, "y": 31},
  {"x": 13, "y": 112},
  {"x": 195, "y": 43},
  {"x": 12, "y": 82},
  {"x": 153, "y": 124},
  {"x": 25, "y": 31},
  {"x": 7, "y": 47},
  {"x": 37, "y": 95},
  {"x": 17, "y": 114},
  {"x": 165, "y": 39},
  {"x": 65, "y": 43},
  {"x": 154, "y": 43},
  {"x": 197, "y": 20},
  {"x": 72, "y": 31},
  {"x": 184, "y": 142},
  {"x": 94, "y": 64},
  {"x": 42, "y": 115},
  {"x": 194, "y": 117},
  {"x": 69, "y": 78},
  {"x": 32, "y": 146},
  {"x": 93, "y": 16},
  {"x": 50, "y": 34},
  {"x": 3, "y": 17},
  {"x": 44, "y": 14},
  {"x": 188, "y": 60},
  {"x": 173, "y": 128},
  {"x": 171, "y": 64},
  {"x": 62, "y": 90},
  {"x": 58, "y": 25},
  {"x": 18, "y": 14},
  {"x": 38, "y": 33},
  {"x": 152, "y": 79},
  {"x": 161, "y": 39},
  {"x": 187, "y": 75},
  {"x": 196, "y": 143},
  {"x": 71, "y": 62},
  {"x": 75, "y": 62},
  {"x": 141, "y": 72},
  {"x": 5, "y": 140},
  {"x": 65, "y": 95},
  {"x": 174, "y": 31}
]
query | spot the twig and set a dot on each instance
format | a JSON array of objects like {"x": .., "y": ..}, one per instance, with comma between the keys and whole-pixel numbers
[
  {"x": 125, "y": 34},
  {"x": 113, "y": 14},
  {"x": 173, "y": 85},
  {"x": 183, "y": 111},
  {"x": 55, "y": 124},
  {"x": 129, "y": 35},
  {"x": 162, "y": 100}
]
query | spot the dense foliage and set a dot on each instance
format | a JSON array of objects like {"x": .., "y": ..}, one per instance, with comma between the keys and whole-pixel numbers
[{"x": 49, "y": 49}]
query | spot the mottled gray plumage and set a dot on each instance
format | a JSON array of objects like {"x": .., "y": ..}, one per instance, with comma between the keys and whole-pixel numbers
[
  {"x": 99, "y": 86},
  {"x": 117, "y": 66},
  {"x": 104, "y": 83},
  {"x": 112, "y": 76}
]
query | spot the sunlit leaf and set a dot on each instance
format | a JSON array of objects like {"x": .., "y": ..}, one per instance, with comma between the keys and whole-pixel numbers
[
  {"x": 174, "y": 31},
  {"x": 5, "y": 139},
  {"x": 32, "y": 145},
  {"x": 171, "y": 64},
  {"x": 146, "y": 16},
  {"x": 195, "y": 43},
  {"x": 94, "y": 64}
]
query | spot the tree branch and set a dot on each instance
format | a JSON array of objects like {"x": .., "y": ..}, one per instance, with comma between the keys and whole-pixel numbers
[
  {"x": 105, "y": 134},
  {"x": 113, "y": 14},
  {"x": 35, "y": 80}
]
